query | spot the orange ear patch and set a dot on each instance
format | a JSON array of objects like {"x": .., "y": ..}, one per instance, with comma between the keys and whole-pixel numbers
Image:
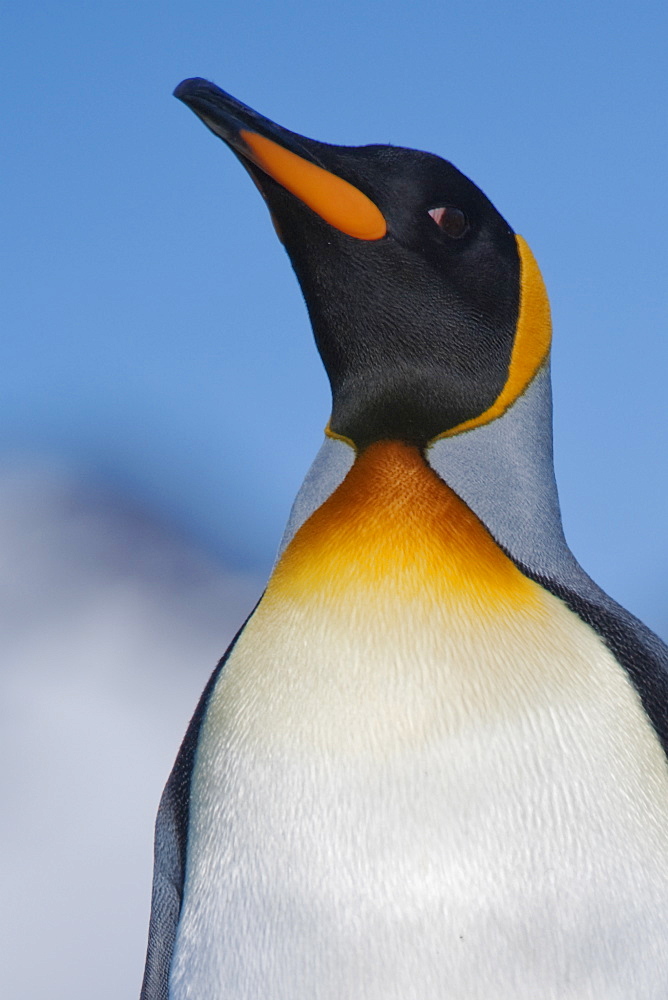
[{"x": 336, "y": 201}]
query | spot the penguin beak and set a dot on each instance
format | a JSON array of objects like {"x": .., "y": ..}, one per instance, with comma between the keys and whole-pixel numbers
[{"x": 294, "y": 162}]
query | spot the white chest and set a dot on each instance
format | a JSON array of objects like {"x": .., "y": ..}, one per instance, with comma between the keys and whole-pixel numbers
[{"x": 395, "y": 803}]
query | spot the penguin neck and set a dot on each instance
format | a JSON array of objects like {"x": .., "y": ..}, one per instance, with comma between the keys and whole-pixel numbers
[
  {"x": 502, "y": 471},
  {"x": 394, "y": 528}
]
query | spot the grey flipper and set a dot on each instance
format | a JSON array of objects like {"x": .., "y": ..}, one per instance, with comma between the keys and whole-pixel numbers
[
  {"x": 171, "y": 836},
  {"x": 503, "y": 471}
]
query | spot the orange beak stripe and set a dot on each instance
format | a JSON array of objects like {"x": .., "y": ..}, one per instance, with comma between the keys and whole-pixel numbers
[{"x": 336, "y": 201}]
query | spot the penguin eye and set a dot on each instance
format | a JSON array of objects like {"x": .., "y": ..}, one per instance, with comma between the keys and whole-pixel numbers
[{"x": 450, "y": 220}]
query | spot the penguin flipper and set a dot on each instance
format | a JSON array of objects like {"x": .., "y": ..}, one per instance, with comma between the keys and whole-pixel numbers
[
  {"x": 168, "y": 875},
  {"x": 640, "y": 651},
  {"x": 171, "y": 832},
  {"x": 170, "y": 849}
]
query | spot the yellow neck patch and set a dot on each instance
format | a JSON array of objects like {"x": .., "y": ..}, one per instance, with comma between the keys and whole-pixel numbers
[
  {"x": 394, "y": 529},
  {"x": 531, "y": 345}
]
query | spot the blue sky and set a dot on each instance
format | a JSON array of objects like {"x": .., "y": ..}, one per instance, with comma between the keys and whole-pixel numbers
[{"x": 154, "y": 336}]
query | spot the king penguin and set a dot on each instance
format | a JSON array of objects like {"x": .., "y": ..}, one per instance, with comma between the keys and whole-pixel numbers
[{"x": 432, "y": 763}]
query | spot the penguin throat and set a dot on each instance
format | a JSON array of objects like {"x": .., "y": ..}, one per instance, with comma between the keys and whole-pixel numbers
[{"x": 394, "y": 527}]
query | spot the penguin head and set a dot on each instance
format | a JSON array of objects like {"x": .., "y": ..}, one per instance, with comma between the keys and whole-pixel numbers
[{"x": 428, "y": 311}]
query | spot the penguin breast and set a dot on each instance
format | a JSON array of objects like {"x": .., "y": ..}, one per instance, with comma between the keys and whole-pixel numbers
[{"x": 420, "y": 775}]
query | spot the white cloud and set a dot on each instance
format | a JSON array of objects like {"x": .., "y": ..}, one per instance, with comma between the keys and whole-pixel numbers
[{"x": 111, "y": 626}]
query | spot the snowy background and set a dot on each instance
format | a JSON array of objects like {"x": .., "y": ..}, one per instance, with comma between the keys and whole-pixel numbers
[{"x": 111, "y": 626}]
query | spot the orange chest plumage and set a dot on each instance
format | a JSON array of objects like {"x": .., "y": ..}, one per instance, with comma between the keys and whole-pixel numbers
[{"x": 393, "y": 528}]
